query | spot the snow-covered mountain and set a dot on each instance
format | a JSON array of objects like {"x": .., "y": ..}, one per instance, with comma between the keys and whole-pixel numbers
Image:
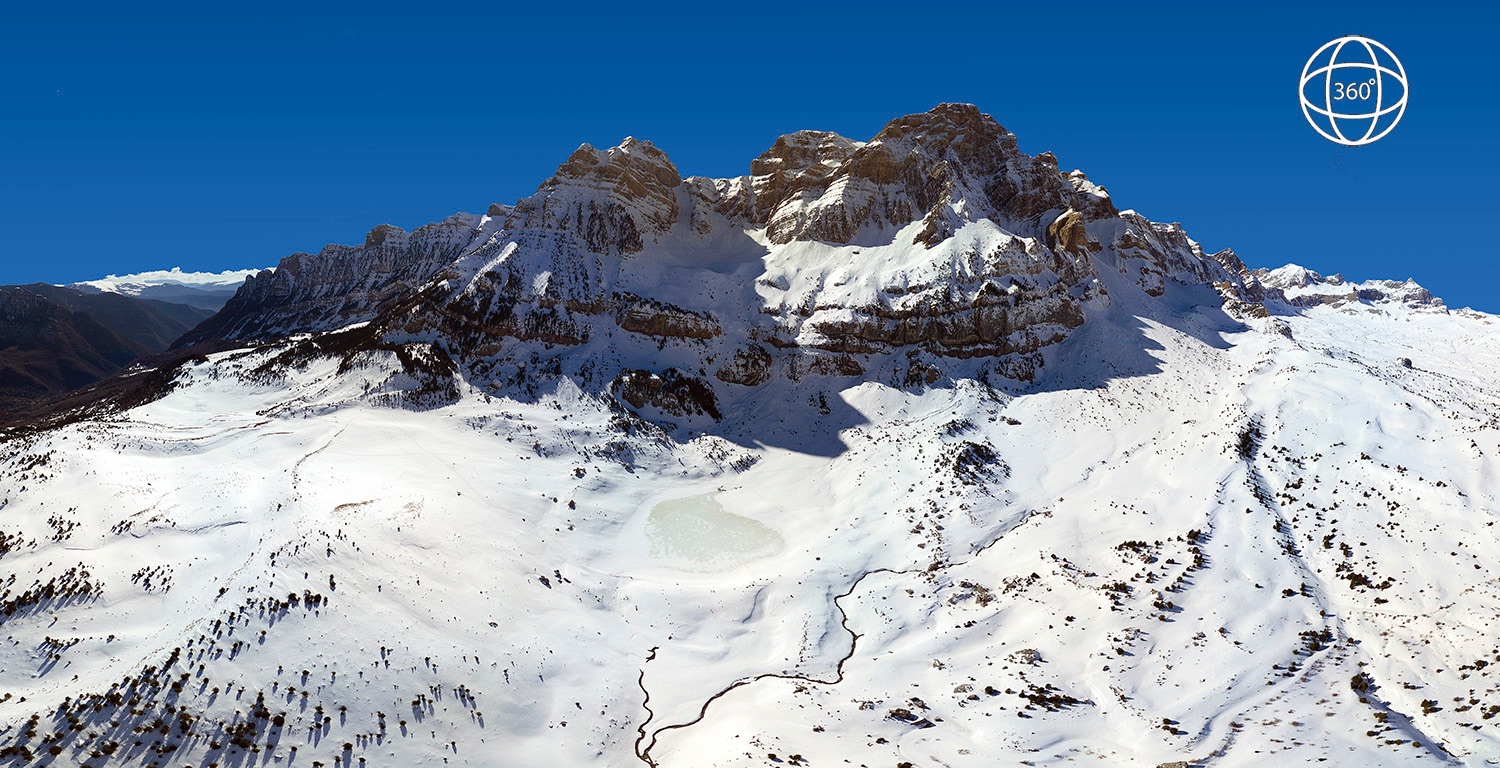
[
  {"x": 205, "y": 290},
  {"x": 914, "y": 451}
]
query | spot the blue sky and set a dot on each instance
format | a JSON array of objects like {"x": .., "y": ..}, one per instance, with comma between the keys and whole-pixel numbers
[{"x": 227, "y": 135}]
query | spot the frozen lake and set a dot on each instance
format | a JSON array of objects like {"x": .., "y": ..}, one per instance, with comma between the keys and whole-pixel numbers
[{"x": 697, "y": 534}]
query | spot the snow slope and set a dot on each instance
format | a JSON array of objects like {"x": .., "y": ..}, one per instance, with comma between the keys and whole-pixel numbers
[
  {"x": 1264, "y": 537},
  {"x": 500, "y": 549}
]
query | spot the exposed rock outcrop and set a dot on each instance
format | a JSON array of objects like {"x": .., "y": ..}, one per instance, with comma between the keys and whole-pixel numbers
[
  {"x": 613, "y": 199},
  {"x": 654, "y": 318},
  {"x": 943, "y": 167},
  {"x": 1067, "y": 233},
  {"x": 749, "y": 367},
  {"x": 936, "y": 235},
  {"x": 822, "y": 364},
  {"x": 340, "y": 285},
  {"x": 671, "y": 392},
  {"x": 991, "y": 322}
]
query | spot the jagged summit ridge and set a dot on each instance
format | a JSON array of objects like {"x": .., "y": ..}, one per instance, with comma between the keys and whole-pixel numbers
[
  {"x": 945, "y": 167},
  {"x": 1303, "y": 287},
  {"x": 935, "y": 241},
  {"x": 615, "y": 199},
  {"x": 338, "y": 285},
  {"x": 937, "y": 236}
]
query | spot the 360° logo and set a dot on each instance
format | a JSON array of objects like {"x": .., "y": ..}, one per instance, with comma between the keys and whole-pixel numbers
[{"x": 1353, "y": 91}]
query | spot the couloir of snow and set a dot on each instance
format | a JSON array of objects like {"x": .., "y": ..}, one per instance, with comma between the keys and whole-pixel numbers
[{"x": 1183, "y": 541}]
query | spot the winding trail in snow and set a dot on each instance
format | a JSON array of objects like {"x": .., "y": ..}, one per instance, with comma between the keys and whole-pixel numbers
[{"x": 644, "y": 753}]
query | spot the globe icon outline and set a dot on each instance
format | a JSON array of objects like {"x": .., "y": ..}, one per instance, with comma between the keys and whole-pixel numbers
[{"x": 1329, "y": 127}]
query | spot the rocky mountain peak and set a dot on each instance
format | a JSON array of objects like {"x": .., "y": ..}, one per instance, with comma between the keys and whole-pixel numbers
[
  {"x": 803, "y": 150},
  {"x": 339, "y": 284},
  {"x": 633, "y": 164},
  {"x": 936, "y": 237},
  {"x": 970, "y": 135},
  {"x": 1302, "y": 287},
  {"x": 614, "y": 199},
  {"x": 381, "y": 233},
  {"x": 944, "y": 167},
  {"x": 797, "y": 161},
  {"x": 1295, "y": 276}
]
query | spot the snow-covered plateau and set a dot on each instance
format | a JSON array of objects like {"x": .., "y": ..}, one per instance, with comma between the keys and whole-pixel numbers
[{"x": 908, "y": 452}]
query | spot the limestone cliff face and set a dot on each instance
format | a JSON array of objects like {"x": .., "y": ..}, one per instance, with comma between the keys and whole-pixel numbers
[
  {"x": 545, "y": 269},
  {"x": 670, "y": 392},
  {"x": 938, "y": 237},
  {"x": 984, "y": 293},
  {"x": 339, "y": 285},
  {"x": 654, "y": 318},
  {"x": 942, "y": 168},
  {"x": 1068, "y": 233},
  {"x": 917, "y": 184},
  {"x": 749, "y": 367},
  {"x": 615, "y": 200},
  {"x": 805, "y": 160}
]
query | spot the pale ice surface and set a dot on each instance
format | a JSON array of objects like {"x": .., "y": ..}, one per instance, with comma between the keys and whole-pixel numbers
[{"x": 696, "y": 533}]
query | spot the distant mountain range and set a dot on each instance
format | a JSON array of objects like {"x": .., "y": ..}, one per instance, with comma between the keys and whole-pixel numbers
[
  {"x": 57, "y": 338},
  {"x": 204, "y": 290}
]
